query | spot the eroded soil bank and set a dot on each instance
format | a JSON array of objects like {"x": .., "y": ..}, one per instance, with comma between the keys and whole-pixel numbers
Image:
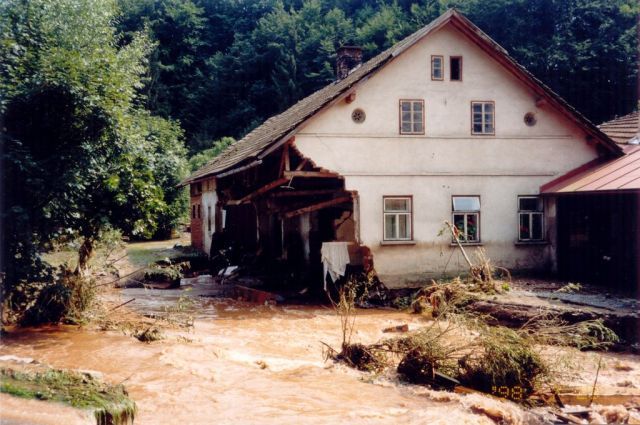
[{"x": 247, "y": 364}]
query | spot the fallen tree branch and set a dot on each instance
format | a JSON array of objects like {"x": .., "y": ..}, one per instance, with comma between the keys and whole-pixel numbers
[
  {"x": 123, "y": 304},
  {"x": 454, "y": 233}
]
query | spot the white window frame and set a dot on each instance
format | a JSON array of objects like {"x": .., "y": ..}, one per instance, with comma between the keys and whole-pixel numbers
[
  {"x": 412, "y": 111},
  {"x": 462, "y": 237},
  {"x": 488, "y": 128},
  {"x": 397, "y": 213},
  {"x": 530, "y": 214}
]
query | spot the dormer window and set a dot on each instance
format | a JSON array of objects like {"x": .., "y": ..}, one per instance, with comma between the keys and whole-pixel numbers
[
  {"x": 437, "y": 65},
  {"x": 455, "y": 68},
  {"x": 412, "y": 116}
]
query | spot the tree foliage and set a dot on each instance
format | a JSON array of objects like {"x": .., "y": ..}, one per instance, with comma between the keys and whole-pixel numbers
[
  {"x": 201, "y": 158},
  {"x": 221, "y": 67},
  {"x": 80, "y": 154}
]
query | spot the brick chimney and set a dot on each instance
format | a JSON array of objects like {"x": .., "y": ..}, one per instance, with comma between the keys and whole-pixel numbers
[{"x": 348, "y": 58}]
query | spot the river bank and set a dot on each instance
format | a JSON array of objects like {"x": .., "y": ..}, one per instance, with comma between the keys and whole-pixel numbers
[{"x": 242, "y": 363}]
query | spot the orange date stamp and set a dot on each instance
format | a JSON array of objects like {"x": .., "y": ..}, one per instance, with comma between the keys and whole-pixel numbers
[{"x": 515, "y": 393}]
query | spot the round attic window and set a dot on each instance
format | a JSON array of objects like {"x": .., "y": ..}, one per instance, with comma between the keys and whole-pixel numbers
[
  {"x": 358, "y": 116},
  {"x": 530, "y": 119}
]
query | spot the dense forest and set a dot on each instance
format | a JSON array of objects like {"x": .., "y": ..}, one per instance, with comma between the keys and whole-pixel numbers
[
  {"x": 107, "y": 104},
  {"x": 221, "y": 67}
]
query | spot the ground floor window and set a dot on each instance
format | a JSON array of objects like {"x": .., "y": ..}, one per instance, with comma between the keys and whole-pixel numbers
[
  {"x": 466, "y": 217},
  {"x": 397, "y": 218},
  {"x": 530, "y": 219}
]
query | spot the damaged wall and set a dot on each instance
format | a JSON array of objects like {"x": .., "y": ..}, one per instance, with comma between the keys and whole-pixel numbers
[{"x": 376, "y": 161}]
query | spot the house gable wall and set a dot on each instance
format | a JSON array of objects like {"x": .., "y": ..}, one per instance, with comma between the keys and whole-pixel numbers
[
  {"x": 376, "y": 161},
  {"x": 203, "y": 202}
]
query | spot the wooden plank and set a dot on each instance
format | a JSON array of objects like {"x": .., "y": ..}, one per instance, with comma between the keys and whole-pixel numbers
[
  {"x": 285, "y": 164},
  {"x": 257, "y": 192},
  {"x": 310, "y": 174},
  {"x": 302, "y": 164},
  {"x": 318, "y": 206},
  {"x": 304, "y": 193}
]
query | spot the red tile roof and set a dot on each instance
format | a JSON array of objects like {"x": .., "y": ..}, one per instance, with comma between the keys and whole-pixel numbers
[
  {"x": 622, "y": 129},
  {"x": 620, "y": 174}
]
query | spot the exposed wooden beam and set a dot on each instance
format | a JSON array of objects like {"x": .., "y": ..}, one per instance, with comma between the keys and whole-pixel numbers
[
  {"x": 289, "y": 138},
  {"x": 318, "y": 206},
  {"x": 239, "y": 169},
  {"x": 308, "y": 174},
  {"x": 258, "y": 192},
  {"x": 292, "y": 193},
  {"x": 302, "y": 164}
]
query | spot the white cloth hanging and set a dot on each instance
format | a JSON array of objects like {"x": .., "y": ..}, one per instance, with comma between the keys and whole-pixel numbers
[{"x": 335, "y": 257}]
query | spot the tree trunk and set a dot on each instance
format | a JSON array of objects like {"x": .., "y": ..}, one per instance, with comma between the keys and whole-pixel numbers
[{"x": 84, "y": 255}]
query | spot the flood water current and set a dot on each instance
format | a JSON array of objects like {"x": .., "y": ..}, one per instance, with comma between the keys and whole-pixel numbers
[{"x": 239, "y": 364}]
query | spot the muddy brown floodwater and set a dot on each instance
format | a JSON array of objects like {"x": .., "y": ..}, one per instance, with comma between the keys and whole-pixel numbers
[{"x": 216, "y": 372}]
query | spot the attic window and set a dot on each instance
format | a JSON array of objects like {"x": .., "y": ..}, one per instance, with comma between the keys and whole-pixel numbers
[
  {"x": 455, "y": 68},
  {"x": 412, "y": 117},
  {"x": 437, "y": 72}
]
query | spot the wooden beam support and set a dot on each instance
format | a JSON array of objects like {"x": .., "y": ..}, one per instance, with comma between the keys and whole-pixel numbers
[
  {"x": 318, "y": 206},
  {"x": 258, "y": 192},
  {"x": 302, "y": 164},
  {"x": 285, "y": 164},
  {"x": 351, "y": 97},
  {"x": 311, "y": 174},
  {"x": 292, "y": 193}
]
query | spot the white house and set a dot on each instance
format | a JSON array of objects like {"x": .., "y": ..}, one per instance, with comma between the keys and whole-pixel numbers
[{"x": 444, "y": 125}]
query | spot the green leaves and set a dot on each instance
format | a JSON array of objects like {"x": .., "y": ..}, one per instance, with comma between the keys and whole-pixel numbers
[{"x": 82, "y": 152}]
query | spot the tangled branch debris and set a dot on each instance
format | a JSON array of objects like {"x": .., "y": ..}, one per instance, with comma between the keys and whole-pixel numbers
[
  {"x": 67, "y": 300},
  {"x": 439, "y": 298},
  {"x": 586, "y": 335},
  {"x": 505, "y": 359}
]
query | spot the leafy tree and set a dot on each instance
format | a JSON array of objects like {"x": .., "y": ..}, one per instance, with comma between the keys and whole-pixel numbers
[
  {"x": 201, "y": 158},
  {"x": 79, "y": 154}
]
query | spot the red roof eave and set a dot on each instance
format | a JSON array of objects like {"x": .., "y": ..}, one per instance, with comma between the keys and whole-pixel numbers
[{"x": 615, "y": 175}]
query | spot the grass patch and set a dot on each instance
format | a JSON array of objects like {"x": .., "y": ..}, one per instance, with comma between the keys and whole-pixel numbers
[
  {"x": 110, "y": 403},
  {"x": 145, "y": 253}
]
